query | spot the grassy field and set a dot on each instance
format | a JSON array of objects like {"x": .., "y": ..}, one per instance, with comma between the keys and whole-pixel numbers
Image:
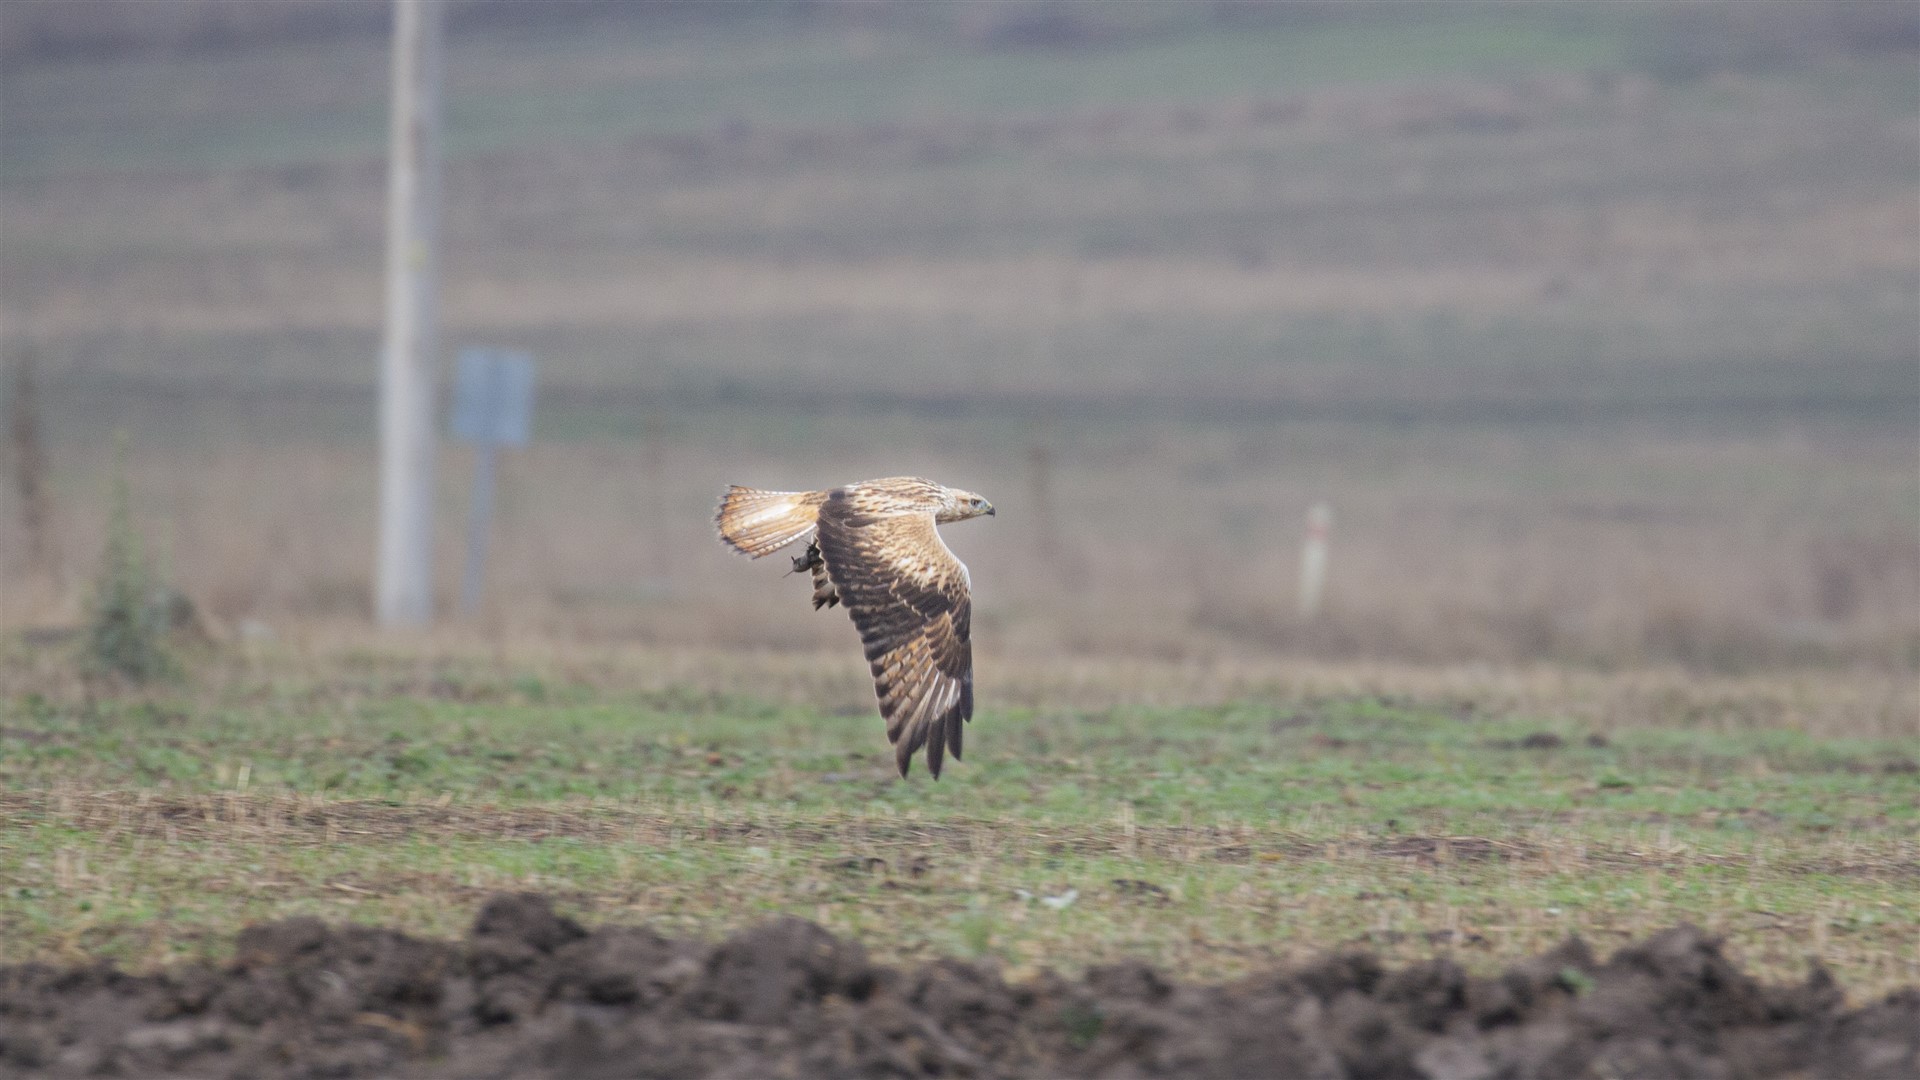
[{"x": 1278, "y": 815}]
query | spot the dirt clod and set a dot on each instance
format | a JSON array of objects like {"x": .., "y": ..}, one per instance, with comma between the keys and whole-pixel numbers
[{"x": 532, "y": 993}]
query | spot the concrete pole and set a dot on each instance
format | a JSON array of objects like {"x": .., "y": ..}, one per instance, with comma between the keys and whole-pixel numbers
[{"x": 403, "y": 589}]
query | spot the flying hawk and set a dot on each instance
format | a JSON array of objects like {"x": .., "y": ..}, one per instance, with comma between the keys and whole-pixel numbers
[{"x": 875, "y": 549}]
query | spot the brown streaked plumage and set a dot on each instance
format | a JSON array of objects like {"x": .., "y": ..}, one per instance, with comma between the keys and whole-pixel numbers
[{"x": 875, "y": 549}]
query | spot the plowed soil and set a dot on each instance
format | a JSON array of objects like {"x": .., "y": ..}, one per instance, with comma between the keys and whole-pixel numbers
[{"x": 531, "y": 993}]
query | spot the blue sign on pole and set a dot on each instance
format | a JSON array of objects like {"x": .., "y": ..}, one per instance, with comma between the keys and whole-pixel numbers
[
  {"x": 493, "y": 397},
  {"x": 492, "y": 407}
]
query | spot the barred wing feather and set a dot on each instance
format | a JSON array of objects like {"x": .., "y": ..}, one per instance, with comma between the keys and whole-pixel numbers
[{"x": 909, "y": 598}]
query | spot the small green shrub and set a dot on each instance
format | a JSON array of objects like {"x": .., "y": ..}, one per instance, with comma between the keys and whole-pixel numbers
[{"x": 126, "y": 631}]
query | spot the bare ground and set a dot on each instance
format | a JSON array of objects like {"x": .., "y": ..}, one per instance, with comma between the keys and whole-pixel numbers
[{"x": 532, "y": 993}]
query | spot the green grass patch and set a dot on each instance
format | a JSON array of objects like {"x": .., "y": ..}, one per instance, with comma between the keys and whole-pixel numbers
[{"x": 1207, "y": 840}]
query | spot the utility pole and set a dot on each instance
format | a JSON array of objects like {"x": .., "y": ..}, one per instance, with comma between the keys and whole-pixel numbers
[{"x": 403, "y": 589}]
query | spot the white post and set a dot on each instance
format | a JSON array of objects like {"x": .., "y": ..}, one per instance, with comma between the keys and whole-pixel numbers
[
  {"x": 403, "y": 589},
  {"x": 1040, "y": 499},
  {"x": 1313, "y": 560}
]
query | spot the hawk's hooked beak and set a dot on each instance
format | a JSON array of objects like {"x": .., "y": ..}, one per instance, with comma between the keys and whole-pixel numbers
[{"x": 989, "y": 509}]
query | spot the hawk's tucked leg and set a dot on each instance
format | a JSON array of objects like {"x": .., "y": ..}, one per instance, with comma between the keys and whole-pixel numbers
[{"x": 824, "y": 594}]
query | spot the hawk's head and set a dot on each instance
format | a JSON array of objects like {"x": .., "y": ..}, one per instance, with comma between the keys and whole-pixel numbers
[{"x": 957, "y": 505}]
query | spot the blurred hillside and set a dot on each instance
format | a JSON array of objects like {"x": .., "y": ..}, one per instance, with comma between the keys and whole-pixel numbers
[
  {"x": 1685, "y": 39},
  {"x": 1597, "y": 322}
]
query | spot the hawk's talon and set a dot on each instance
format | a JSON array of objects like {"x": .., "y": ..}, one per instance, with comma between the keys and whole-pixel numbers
[
  {"x": 824, "y": 594},
  {"x": 810, "y": 561}
]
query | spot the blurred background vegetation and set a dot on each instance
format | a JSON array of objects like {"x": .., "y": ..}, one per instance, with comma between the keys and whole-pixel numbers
[{"x": 1598, "y": 324}]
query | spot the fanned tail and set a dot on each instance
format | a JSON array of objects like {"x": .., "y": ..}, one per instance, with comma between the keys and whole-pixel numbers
[{"x": 756, "y": 523}]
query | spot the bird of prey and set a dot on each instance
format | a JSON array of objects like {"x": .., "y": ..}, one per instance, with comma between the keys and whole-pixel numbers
[{"x": 876, "y": 551}]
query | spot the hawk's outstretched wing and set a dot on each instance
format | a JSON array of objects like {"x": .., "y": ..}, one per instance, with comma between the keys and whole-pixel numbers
[{"x": 909, "y": 598}]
